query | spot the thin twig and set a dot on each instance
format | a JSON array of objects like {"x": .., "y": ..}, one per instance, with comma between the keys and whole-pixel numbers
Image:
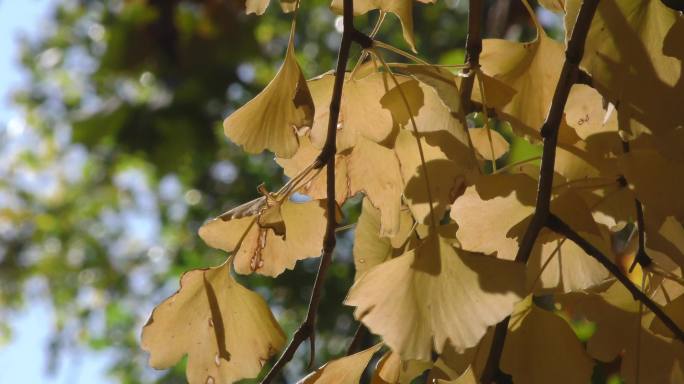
[
  {"x": 641, "y": 257},
  {"x": 307, "y": 330},
  {"x": 559, "y": 226},
  {"x": 549, "y": 133},
  {"x": 473, "y": 50}
]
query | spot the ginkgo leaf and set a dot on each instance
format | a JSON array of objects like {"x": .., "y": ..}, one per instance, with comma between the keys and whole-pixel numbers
[
  {"x": 372, "y": 107},
  {"x": 675, "y": 310},
  {"x": 504, "y": 203},
  {"x": 633, "y": 52},
  {"x": 402, "y": 8},
  {"x": 391, "y": 369},
  {"x": 541, "y": 347},
  {"x": 259, "y": 6},
  {"x": 361, "y": 113},
  {"x": 345, "y": 370},
  {"x": 553, "y": 5},
  {"x": 434, "y": 294},
  {"x": 650, "y": 176},
  {"x": 423, "y": 103},
  {"x": 621, "y": 331},
  {"x": 468, "y": 377},
  {"x": 227, "y": 331},
  {"x": 531, "y": 69},
  {"x": 370, "y": 249},
  {"x": 496, "y": 202},
  {"x": 270, "y": 120},
  {"x": 452, "y": 364},
  {"x": 490, "y": 145},
  {"x": 374, "y": 170},
  {"x": 447, "y": 176},
  {"x": 584, "y": 111},
  {"x": 259, "y": 249}
]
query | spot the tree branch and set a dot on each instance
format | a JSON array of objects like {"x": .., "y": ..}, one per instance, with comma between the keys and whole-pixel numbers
[
  {"x": 307, "y": 330},
  {"x": 559, "y": 226},
  {"x": 549, "y": 132}
]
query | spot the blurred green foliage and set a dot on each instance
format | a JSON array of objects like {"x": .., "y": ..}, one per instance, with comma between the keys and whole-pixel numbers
[{"x": 123, "y": 157}]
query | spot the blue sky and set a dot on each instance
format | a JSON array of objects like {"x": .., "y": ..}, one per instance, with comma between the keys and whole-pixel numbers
[{"x": 24, "y": 359}]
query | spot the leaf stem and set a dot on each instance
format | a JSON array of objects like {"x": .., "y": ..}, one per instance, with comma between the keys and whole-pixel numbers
[
  {"x": 400, "y": 52},
  {"x": 641, "y": 257}
]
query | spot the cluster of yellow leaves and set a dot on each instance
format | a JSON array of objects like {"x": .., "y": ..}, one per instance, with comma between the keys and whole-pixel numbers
[{"x": 437, "y": 237}]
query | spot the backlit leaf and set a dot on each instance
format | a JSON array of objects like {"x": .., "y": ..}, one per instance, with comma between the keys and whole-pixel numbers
[{"x": 227, "y": 331}]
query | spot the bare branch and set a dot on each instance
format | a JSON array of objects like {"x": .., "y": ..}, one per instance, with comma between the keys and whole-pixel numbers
[
  {"x": 326, "y": 158},
  {"x": 549, "y": 132}
]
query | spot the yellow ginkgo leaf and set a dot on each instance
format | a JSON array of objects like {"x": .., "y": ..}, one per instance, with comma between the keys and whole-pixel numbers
[
  {"x": 650, "y": 176},
  {"x": 270, "y": 120},
  {"x": 504, "y": 203},
  {"x": 372, "y": 107},
  {"x": 370, "y": 249},
  {"x": 402, "y": 8},
  {"x": 345, "y": 370},
  {"x": 490, "y": 146},
  {"x": 496, "y": 202},
  {"x": 434, "y": 294},
  {"x": 620, "y": 331},
  {"x": 391, "y": 369},
  {"x": 428, "y": 106},
  {"x": 536, "y": 338},
  {"x": 633, "y": 52},
  {"x": 259, "y": 249},
  {"x": 584, "y": 111},
  {"x": 452, "y": 364},
  {"x": 259, "y": 6},
  {"x": 374, "y": 170},
  {"x": 531, "y": 69},
  {"x": 227, "y": 331},
  {"x": 447, "y": 174},
  {"x": 361, "y": 113}
]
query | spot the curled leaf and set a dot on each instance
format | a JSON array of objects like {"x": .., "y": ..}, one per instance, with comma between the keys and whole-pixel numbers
[
  {"x": 258, "y": 247},
  {"x": 270, "y": 120}
]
